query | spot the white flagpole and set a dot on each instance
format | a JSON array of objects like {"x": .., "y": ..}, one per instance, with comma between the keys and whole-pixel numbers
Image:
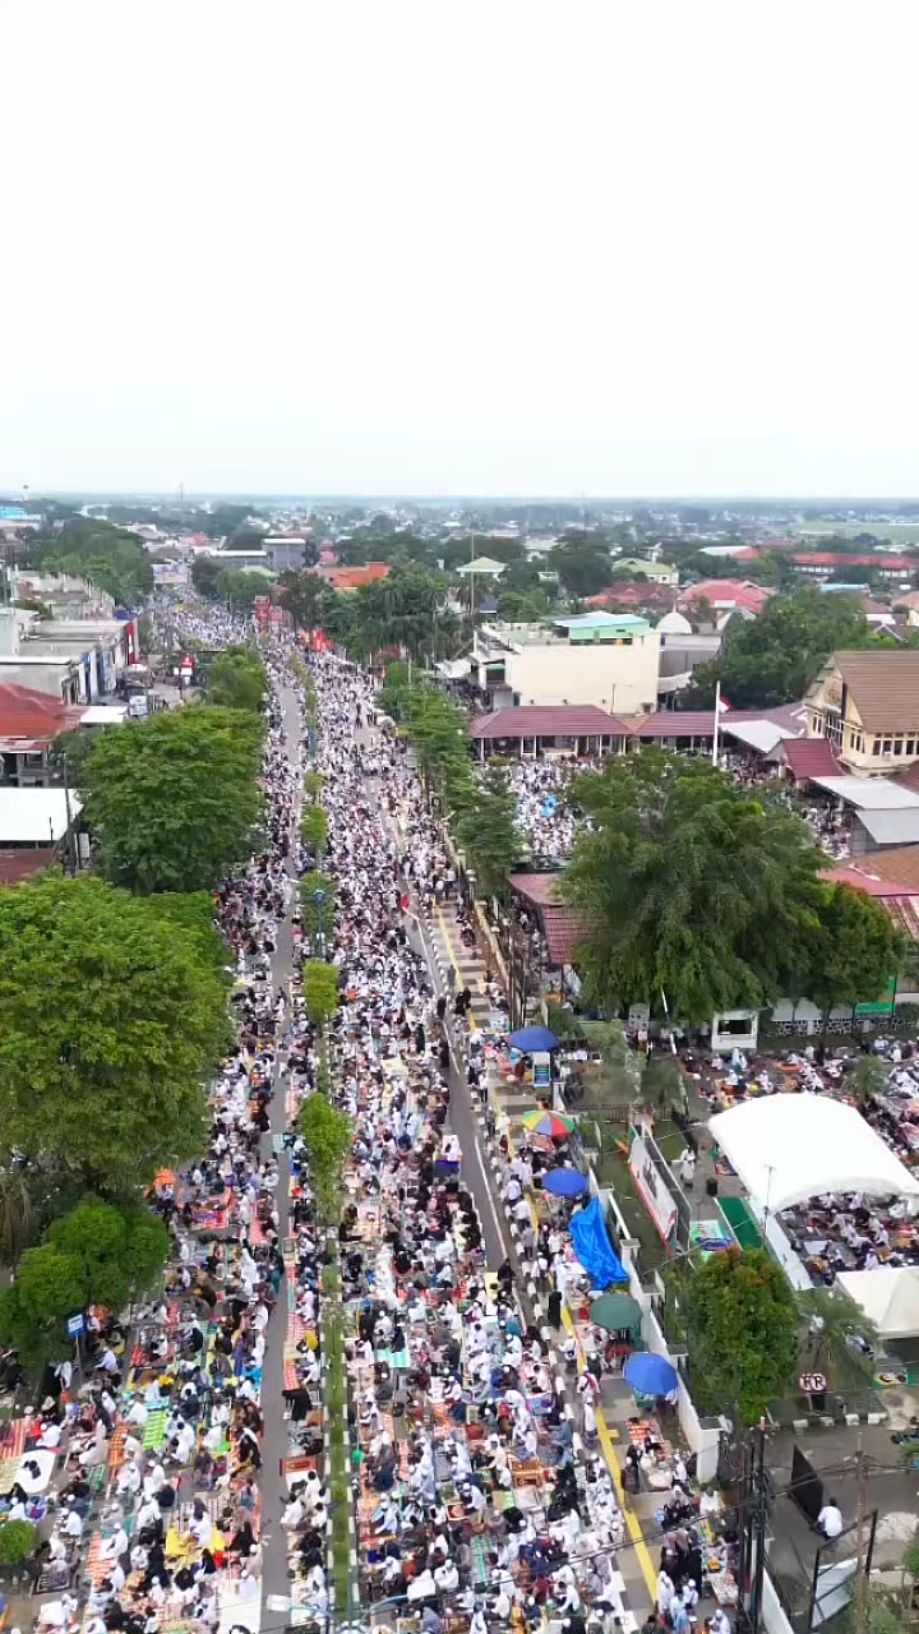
[{"x": 717, "y": 719}]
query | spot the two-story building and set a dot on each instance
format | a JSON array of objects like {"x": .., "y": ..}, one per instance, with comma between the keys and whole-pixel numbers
[
  {"x": 866, "y": 705},
  {"x": 611, "y": 660}
]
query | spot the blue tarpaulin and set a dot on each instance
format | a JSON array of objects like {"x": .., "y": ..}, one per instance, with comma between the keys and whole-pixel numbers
[{"x": 593, "y": 1247}]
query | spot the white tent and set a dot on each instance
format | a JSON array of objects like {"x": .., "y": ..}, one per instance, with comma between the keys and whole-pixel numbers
[
  {"x": 889, "y": 1297},
  {"x": 786, "y": 1148}
]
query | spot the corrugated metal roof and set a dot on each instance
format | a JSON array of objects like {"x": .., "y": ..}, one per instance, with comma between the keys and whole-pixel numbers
[
  {"x": 870, "y": 793},
  {"x": 891, "y": 827}
]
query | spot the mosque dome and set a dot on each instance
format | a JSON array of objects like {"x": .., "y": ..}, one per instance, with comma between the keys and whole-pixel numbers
[{"x": 674, "y": 623}]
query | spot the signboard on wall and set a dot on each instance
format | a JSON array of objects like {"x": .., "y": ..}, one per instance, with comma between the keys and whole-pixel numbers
[{"x": 654, "y": 1194}]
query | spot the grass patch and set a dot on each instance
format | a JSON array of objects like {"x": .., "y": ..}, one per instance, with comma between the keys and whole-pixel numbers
[{"x": 612, "y": 1171}]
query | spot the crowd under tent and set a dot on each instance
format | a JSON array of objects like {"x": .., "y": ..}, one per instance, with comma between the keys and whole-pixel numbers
[
  {"x": 787, "y": 1148},
  {"x": 889, "y": 1297}
]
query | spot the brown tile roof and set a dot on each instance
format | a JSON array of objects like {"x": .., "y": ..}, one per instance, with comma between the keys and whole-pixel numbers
[
  {"x": 884, "y": 687},
  {"x": 898, "y": 866},
  {"x": 810, "y": 757},
  {"x": 553, "y": 720},
  {"x": 563, "y": 927},
  {"x": 15, "y": 866}
]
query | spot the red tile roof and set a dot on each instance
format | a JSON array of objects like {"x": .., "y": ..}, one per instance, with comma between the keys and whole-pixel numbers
[
  {"x": 862, "y": 878},
  {"x": 631, "y": 593},
  {"x": 700, "y": 723},
  {"x": 752, "y": 598},
  {"x": 351, "y": 578},
  {"x": 810, "y": 757},
  {"x": 34, "y": 716},
  {"x": 833, "y": 558},
  {"x": 563, "y": 927},
  {"x": 552, "y": 720},
  {"x": 15, "y": 866}
]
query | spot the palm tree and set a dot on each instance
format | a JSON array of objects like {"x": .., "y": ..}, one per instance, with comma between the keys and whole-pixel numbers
[
  {"x": 867, "y": 1078},
  {"x": 662, "y": 1088},
  {"x": 17, "y": 1216},
  {"x": 828, "y": 1325}
]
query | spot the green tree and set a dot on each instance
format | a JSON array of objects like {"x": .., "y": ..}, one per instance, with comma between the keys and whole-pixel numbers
[
  {"x": 773, "y": 659},
  {"x": 320, "y": 990},
  {"x": 307, "y": 598},
  {"x": 314, "y": 829},
  {"x": 193, "y": 911},
  {"x": 488, "y": 834},
  {"x": 742, "y": 1332},
  {"x": 439, "y": 733},
  {"x": 238, "y": 680},
  {"x": 582, "y": 563},
  {"x": 17, "y": 1215},
  {"x": 316, "y": 917},
  {"x": 109, "y": 1022},
  {"x": 109, "y": 557},
  {"x": 327, "y": 1133},
  {"x": 854, "y": 950},
  {"x": 867, "y": 1078},
  {"x": 689, "y": 887},
  {"x": 99, "y": 1254},
  {"x": 173, "y": 801},
  {"x": 17, "y": 1541}
]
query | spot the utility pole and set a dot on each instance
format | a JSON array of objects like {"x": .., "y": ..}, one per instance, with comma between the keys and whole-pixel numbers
[{"x": 861, "y": 1577}]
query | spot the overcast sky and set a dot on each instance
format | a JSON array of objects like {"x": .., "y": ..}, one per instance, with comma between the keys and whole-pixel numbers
[{"x": 503, "y": 246}]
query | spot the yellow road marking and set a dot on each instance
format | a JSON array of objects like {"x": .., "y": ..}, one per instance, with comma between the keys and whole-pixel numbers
[
  {"x": 448, "y": 943},
  {"x": 631, "y": 1519}
]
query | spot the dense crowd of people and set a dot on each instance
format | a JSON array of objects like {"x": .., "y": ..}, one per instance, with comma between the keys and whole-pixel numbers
[
  {"x": 156, "y": 1516},
  {"x": 470, "y": 1499}
]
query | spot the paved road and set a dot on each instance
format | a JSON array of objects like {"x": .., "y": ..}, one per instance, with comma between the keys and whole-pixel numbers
[{"x": 275, "y": 1578}]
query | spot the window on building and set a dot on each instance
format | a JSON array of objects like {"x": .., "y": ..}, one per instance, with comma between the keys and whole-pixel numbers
[
  {"x": 910, "y": 746},
  {"x": 898, "y": 746},
  {"x": 886, "y": 746},
  {"x": 875, "y": 746}
]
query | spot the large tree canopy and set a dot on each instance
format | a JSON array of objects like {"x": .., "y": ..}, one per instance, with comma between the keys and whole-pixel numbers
[
  {"x": 110, "y": 1018},
  {"x": 238, "y": 680},
  {"x": 110, "y": 557},
  {"x": 742, "y": 1328},
  {"x": 173, "y": 800},
  {"x": 693, "y": 891},
  {"x": 774, "y": 658}
]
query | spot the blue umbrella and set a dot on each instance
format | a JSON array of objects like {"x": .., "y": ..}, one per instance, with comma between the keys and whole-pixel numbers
[
  {"x": 650, "y": 1375},
  {"x": 565, "y": 1182},
  {"x": 533, "y": 1039}
]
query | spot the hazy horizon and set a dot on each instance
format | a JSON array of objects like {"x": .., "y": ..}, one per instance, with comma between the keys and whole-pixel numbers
[{"x": 439, "y": 250}]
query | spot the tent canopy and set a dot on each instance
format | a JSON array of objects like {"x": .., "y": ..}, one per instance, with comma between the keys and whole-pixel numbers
[
  {"x": 889, "y": 1297},
  {"x": 786, "y": 1148}
]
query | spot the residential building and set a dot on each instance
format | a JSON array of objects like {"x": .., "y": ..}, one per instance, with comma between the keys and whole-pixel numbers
[
  {"x": 662, "y": 573},
  {"x": 349, "y": 579},
  {"x": 611, "y": 660},
  {"x": 824, "y": 564},
  {"x": 555, "y": 729},
  {"x": 727, "y": 596},
  {"x": 75, "y": 661},
  {"x": 867, "y": 705},
  {"x": 286, "y": 551}
]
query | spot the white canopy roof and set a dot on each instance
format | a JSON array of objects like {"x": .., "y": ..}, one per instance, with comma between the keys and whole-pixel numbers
[
  {"x": 869, "y": 793},
  {"x": 35, "y": 816},
  {"x": 787, "y": 1148},
  {"x": 889, "y": 1297}
]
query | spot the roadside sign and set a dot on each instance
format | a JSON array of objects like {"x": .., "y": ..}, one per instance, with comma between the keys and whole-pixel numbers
[{"x": 75, "y": 1326}]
